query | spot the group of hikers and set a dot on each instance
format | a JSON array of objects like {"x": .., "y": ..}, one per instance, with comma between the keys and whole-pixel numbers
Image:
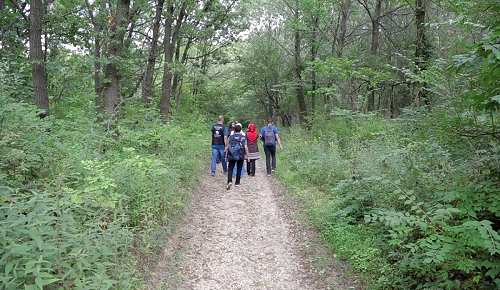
[{"x": 232, "y": 144}]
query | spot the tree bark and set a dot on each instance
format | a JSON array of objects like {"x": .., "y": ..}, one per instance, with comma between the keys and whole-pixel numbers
[
  {"x": 40, "y": 94},
  {"x": 178, "y": 77},
  {"x": 166, "y": 87},
  {"x": 111, "y": 84},
  {"x": 97, "y": 73},
  {"x": 371, "y": 99},
  {"x": 170, "y": 41},
  {"x": 314, "y": 53},
  {"x": 375, "y": 43},
  {"x": 97, "y": 52},
  {"x": 147, "y": 84},
  {"x": 421, "y": 51},
  {"x": 345, "y": 7},
  {"x": 299, "y": 85}
]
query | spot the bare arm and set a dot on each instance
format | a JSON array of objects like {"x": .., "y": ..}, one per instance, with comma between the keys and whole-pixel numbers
[{"x": 279, "y": 141}]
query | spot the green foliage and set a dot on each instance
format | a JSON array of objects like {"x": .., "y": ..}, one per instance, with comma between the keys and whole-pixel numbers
[
  {"x": 411, "y": 207},
  {"x": 75, "y": 199}
]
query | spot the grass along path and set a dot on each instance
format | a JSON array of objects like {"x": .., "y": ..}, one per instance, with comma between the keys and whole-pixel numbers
[{"x": 245, "y": 238}]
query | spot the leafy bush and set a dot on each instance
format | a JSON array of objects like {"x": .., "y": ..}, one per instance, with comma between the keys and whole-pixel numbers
[
  {"x": 75, "y": 199},
  {"x": 407, "y": 205}
]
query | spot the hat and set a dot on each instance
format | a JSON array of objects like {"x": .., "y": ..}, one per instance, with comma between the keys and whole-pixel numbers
[{"x": 239, "y": 124}]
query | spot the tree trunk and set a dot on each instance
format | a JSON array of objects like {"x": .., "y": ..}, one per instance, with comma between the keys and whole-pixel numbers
[
  {"x": 299, "y": 86},
  {"x": 97, "y": 52},
  {"x": 421, "y": 51},
  {"x": 345, "y": 7},
  {"x": 111, "y": 84},
  {"x": 97, "y": 74},
  {"x": 166, "y": 88},
  {"x": 176, "y": 79},
  {"x": 147, "y": 84},
  {"x": 39, "y": 76},
  {"x": 170, "y": 41},
  {"x": 179, "y": 75},
  {"x": 375, "y": 43},
  {"x": 371, "y": 100},
  {"x": 314, "y": 53}
]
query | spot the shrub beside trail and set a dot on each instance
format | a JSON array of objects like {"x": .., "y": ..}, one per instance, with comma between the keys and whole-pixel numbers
[
  {"x": 75, "y": 199},
  {"x": 412, "y": 205}
]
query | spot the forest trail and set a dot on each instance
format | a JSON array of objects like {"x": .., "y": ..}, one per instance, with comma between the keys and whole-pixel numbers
[{"x": 245, "y": 238}]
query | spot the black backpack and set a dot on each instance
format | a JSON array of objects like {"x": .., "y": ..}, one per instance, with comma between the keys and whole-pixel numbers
[{"x": 236, "y": 149}]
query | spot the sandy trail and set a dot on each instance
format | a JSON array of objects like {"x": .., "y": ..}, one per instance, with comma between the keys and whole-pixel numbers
[{"x": 244, "y": 238}]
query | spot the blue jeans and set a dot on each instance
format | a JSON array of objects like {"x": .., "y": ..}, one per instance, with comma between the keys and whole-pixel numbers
[{"x": 218, "y": 153}]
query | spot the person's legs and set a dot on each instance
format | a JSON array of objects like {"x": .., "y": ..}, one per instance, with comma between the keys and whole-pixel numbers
[
  {"x": 223, "y": 158},
  {"x": 252, "y": 167},
  {"x": 230, "y": 171},
  {"x": 272, "y": 149},
  {"x": 249, "y": 167},
  {"x": 239, "y": 167},
  {"x": 268, "y": 159},
  {"x": 213, "y": 164}
]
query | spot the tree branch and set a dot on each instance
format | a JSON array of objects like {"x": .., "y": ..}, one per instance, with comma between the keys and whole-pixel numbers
[{"x": 21, "y": 10}]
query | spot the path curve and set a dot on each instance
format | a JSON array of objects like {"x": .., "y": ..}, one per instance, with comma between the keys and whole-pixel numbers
[{"x": 243, "y": 238}]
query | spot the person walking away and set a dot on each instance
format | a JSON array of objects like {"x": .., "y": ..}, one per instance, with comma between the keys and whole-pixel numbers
[
  {"x": 253, "y": 148},
  {"x": 242, "y": 132},
  {"x": 269, "y": 135},
  {"x": 219, "y": 140},
  {"x": 229, "y": 132},
  {"x": 236, "y": 148}
]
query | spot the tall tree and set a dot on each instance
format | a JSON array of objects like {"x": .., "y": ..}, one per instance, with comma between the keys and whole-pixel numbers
[
  {"x": 345, "y": 8},
  {"x": 170, "y": 39},
  {"x": 298, "y": 66},
  {"x": 147, "y": 84},
  {"x": 166, "y": 88},
  {"x": 40, "y": 94},
  {"x": 421, "y": 51},
  {"x": 377, "y": 14},
  {"x": 117, "y": 23},
  {"x": 95, "y": 19},
  {"x": 314, "y": 53}
]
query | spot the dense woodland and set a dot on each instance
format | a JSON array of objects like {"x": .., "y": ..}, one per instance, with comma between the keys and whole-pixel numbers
[{"x": 389, "y": 111}]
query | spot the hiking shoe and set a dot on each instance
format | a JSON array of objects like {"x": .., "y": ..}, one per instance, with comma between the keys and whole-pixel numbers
[
  {"x": 229, "y": 186},
  {"x": 269, "y": 175},
  {"x": 213, "y": 173},
  {"x": 237, "y": 185}
]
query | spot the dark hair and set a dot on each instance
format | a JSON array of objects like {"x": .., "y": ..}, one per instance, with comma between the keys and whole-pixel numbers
[
  {"x": 237, "y": 128},
  {"x": 269, "y": 120}
]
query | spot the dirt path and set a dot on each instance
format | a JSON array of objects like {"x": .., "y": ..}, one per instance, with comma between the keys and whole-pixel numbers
[{"x": 245, "y": 238}]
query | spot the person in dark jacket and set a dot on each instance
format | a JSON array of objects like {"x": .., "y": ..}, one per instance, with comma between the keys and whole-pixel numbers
[
  {"x": 236, "y": 148},
  {"x": 219, "y": 140}
]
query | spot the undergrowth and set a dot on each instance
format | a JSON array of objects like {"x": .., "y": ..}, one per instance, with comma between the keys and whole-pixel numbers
[
  {"x": 409, "y": 203},
  {"x": 75, "y": 200}
]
